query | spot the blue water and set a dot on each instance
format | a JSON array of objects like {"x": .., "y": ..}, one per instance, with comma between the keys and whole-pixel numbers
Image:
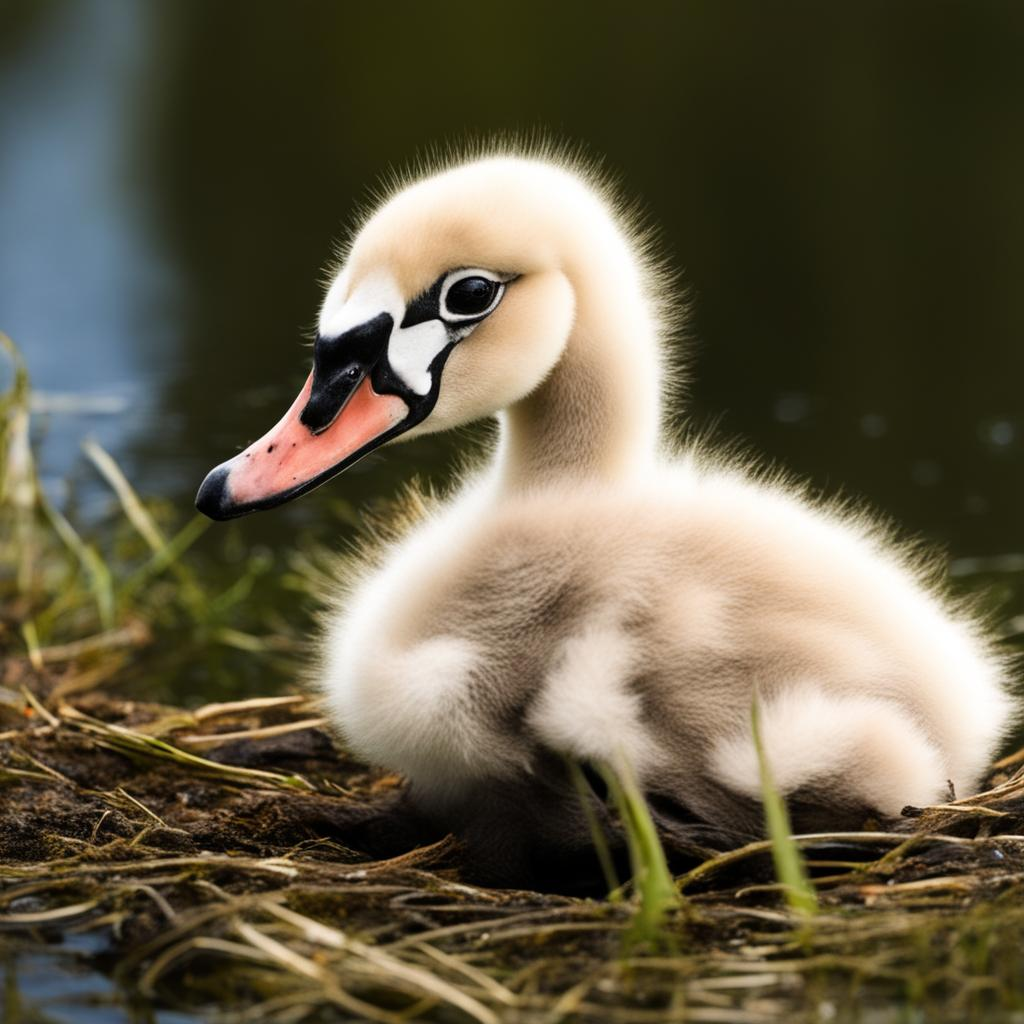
[
  {"x": 84, "y": 284},
  {"x": 60, "y": 985}
]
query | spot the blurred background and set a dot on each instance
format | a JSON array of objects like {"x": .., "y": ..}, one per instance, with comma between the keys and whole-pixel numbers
[{"x": 842, "y": 187}]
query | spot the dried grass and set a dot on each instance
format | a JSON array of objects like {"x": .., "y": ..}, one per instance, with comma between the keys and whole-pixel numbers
[{"x": 220, "y": 890}]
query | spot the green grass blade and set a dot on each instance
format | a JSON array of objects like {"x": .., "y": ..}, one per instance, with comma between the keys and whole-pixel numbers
[
  {"x": 20, "y": 490},
  {"x": 653, "y": 882},
  {"x": 168, "y": 555},
  {"x": 129, "y": 741},
  {"x": 138, "y": 515},
  {"x": 597, "y": 835},
  {"x": 30, "y": 635},
  {"x": 17, "y": 472},
  {"x": 101, "y": 582},
  {"x": 789, "y": 862}
]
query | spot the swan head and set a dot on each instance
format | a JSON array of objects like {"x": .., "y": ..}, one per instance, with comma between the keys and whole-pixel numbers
[{"x": 454, "y": 301}]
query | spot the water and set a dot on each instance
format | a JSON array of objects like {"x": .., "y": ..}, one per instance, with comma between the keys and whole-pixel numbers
[
  {"x": 60, "y": 984},
  {"x": 843, "y": 193}
]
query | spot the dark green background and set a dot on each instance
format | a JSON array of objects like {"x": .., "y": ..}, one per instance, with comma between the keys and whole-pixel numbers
[{"x": 842, "y": 185}]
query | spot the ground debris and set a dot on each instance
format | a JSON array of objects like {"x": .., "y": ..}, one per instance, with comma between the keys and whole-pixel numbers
[{"x": 216, "y": 854}]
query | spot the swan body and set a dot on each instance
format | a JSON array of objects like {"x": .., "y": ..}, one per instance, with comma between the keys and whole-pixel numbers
[{"x": 592, "y": 593}]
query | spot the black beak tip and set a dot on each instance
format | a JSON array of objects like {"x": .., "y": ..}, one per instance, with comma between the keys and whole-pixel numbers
[{"x": 212, "y": 499}]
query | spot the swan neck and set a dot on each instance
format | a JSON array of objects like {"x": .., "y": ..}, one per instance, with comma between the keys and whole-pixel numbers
[{"x": 596, "y": 415}]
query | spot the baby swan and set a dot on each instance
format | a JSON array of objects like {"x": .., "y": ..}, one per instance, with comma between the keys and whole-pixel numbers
[{"x": 589, "y": 595}]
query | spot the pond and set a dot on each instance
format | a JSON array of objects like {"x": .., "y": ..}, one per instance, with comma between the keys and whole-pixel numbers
[{"x": 847, "y": 217}]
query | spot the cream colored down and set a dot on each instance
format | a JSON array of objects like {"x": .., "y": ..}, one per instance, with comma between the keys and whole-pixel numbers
[{"x": 591, "y": 591}]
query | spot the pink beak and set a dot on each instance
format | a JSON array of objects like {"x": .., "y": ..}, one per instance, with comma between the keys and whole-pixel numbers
[{"x": 291, "y": 459}]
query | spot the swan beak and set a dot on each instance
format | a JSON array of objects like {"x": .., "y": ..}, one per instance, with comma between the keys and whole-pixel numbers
[{"x": 338, "y": 417}]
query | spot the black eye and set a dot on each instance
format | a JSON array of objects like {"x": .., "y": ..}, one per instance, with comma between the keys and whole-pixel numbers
[{"x": 471, "y": 295}]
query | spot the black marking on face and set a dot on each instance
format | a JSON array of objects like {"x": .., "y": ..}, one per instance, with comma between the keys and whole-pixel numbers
[
  {"x": 425, "y": 307},
  {"x": 213, "y": 501},
  {"x": 386, "y": 382},
  {"x": 460, "y": 298},
  {"x": 339, "y": 366}
]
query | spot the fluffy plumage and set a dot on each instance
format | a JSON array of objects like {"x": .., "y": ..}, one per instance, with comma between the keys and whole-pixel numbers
[{"x": 591, "y": 592}]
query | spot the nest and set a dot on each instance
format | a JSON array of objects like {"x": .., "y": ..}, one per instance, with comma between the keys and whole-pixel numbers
[{"x": 204, "y": 854}]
